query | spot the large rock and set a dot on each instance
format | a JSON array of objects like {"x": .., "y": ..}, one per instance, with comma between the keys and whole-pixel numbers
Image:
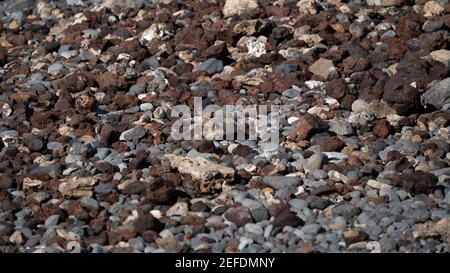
[
  {"x": 404, "y": 98},
  {"x": 282, "y": 182},
  {"x": 130, "y": 4},
  {"x": 417, "y": 183},
  {"x": 324, "y": 68},
  {"x": 340, "y": 126},
  {"x": 438, "y": 95},
  {"x": 304, "y": 126},
  {"x": 205, "y": 176},
  {"x": 287, "y": 218},
  {"x": 315, "y": 161},
  {"x": 210, "y": 66},
  {"x": 432, "y": 8},
  {"x": 239, "y": 7},
  {"x": 441, "y": 55},
  {"x": 440, "y": 229},
  {"x": 240, "y": 216},
  {"x": 385, "y": 3},
  {"x": 78, "y": 187},
  {"x": 133, "y": 133}
]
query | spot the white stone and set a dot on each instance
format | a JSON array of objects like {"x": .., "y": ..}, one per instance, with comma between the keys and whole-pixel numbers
[
  {"x": 378, "y": 185},
  {"x": 291, "y": 120},
  {"x": 179, "y": 209},
  {"x": 313, "y": 84},
  {"x": 238, "y": 7},
  {"x": 307, "y": 6},
  {"x": 155, "y": 31},
  {"x": 432, "y": 8},
  {"x": 255, "y": 47},
  {"x": 359, "y": 106}
]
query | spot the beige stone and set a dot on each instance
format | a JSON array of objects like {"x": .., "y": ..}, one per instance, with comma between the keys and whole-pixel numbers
[
  {"x": 238, "y": 7},
  {"x": 78, "y": 186},
  {"x": 324, "y": 68}
]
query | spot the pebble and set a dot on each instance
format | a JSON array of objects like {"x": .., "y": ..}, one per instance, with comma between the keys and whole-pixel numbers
[
  {"x": 315, "y": 161},
  {"x": 52, "y": 221},
  {"x": 281, "y": 182},
  {"x": 133, "y": 133},
  {"x": 253, "y": 228},
  {"x": 89, "y": 203},
  {"x": 55, "y": 67}
]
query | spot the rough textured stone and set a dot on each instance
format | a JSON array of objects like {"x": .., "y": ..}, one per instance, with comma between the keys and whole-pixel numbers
[
  {"x": 304, "y": 126},
  {"x": 417, "y": 182},
  {"x": 239, "y": 7},
  {"x": 78, "y": 186},
  {"x": 439, "y": 94}
]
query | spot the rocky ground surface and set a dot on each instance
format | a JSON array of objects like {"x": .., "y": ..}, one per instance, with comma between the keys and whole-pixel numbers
[{"x": 86, "y": 159}]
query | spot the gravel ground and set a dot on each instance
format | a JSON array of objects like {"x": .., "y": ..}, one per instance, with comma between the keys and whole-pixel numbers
[{"x": 87, "y": 163}]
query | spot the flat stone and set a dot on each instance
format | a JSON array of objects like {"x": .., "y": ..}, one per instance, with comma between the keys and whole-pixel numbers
[
  {"x": 200, "y": 168},
  {"x": 348, "y": 211},
  {"x": 378, "y": 185},
  {"x": 133, "y": 133},
  {"x": 78, "y": 186},
  {"x": 340, "y": 127},
  {"x": 52, "y": 220},
  {"x": 417, "y": 182},
  {"x": 282, "y": 182},
  {"x": 210, "y": 66}
]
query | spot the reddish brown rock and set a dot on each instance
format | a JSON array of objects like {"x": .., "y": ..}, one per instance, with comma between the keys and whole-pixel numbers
[
  {"x": 3, "y": 56},
  {"x": 6, "y": 182},
  {"x": 336, "y": 88},
  {"x": 404, "y": 98},
  {"x": 239, "y": 215},
  {"x": 417, "y": 182},
  {"x": 382, "y": 129},
  {"x": 332, "y": 144},
  {"x": 287, "y": 218},
  {"x": 354, "y": 236},
  {"x": 304, "y": 126}
]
